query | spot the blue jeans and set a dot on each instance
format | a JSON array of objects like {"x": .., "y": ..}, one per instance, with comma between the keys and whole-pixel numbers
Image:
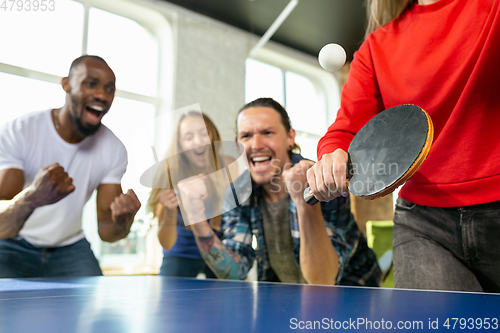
[
  {"x": 447, "y": 248},
  {"x": 184, "y": 267},
  {"x": 20, "y": 259}
]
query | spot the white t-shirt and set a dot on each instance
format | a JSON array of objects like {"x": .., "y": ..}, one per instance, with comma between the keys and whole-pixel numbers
[{"x": 30, "y": 143}]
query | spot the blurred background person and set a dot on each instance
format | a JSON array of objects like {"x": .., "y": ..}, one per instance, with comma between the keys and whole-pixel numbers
[{"x": 192, "y": 152}]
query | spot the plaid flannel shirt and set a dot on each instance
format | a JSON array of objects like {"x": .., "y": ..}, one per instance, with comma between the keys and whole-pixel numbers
[{"x": 357, "y": 263}]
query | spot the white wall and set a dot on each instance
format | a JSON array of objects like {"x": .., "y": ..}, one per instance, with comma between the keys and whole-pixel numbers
[
  {"x": 209, "y": 64},
  {"x": 211, "y": 70}
]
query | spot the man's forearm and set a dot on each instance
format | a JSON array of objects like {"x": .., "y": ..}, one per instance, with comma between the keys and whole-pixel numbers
[
  {"x": 319, "y": 261},
  {"x": 13, "y": 215},
  {"x": 222, "y": 261},
  {"x": 110, "y": 231}
]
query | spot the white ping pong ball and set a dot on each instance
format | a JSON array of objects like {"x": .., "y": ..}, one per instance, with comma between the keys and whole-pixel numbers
[{"x": 332, "y": 57}]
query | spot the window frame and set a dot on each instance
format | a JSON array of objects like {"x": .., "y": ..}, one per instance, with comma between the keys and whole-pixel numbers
[{"x": 326, "y": 84}]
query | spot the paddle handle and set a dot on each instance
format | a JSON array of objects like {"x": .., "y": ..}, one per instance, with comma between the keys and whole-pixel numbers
[{"x": 311, "y": 199}]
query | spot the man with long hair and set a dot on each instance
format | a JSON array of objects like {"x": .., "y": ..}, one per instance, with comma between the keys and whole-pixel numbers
[{"x": 295, "y": 242}]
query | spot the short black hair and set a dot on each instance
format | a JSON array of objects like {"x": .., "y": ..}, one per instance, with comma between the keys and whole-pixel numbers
[{"x": 78, "y": 60}]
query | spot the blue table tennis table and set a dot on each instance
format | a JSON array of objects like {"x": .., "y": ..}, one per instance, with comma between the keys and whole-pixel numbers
[{"x": 161, "y": 304}]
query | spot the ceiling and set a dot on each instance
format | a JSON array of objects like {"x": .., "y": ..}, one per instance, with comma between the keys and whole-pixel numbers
[{"x": 310, "y": 26}]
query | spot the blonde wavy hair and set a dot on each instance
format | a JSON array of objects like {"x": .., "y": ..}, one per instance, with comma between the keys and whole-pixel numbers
[
  {"x": 181, "y": 169},
  {"x": 381, "y": 12}
]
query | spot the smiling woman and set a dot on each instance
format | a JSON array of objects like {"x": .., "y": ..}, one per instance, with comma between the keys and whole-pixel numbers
[{"x": 193, "y": 151}]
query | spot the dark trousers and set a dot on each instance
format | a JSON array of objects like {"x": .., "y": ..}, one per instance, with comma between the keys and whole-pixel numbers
[
  {"x": 20, "y": 259},
  {"x": 447, "y": 248},
  {"x": 184, "y": 267}
]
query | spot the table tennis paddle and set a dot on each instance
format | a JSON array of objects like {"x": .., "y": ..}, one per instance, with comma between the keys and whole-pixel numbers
[{"x": 386, "y": 152}]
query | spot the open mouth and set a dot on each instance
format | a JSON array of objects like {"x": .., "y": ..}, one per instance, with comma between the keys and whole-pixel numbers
[
  {"x": 199, "y": 152},
  {"x": 260, "y": 162},
  {"x": 95, "y": 113}
]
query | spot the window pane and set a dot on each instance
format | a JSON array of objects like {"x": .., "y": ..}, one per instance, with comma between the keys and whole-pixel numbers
[
  {"x": 15, "y": 90},
  {"x": 303, "y": 105},
  {"x": 128, "y": 48},
  {"x": 46, "y": 41},
  {"x": 124, "y": 117},
  {"x": 308, "y": 145},
  {"x": 263, "y": 80}
]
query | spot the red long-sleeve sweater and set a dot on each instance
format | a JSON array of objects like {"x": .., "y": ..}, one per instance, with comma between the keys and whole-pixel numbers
[{"x": 445, "y": 58}]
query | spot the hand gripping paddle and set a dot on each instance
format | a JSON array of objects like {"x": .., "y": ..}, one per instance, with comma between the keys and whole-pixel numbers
[{"x": 386, "y": 152}]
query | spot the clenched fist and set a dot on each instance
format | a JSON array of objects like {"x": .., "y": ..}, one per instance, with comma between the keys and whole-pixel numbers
[
  {"x": 168, "y": 199},
  {"x": 50, "y": 185},
  {"x": 327, "y": 178},
  {"x": 124, "y": 207},
  {"x": 193, "y": 193},
  {"x": 296, "y": 181}
]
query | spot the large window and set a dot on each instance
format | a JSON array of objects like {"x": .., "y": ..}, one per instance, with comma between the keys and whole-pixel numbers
[
  {"x": 310, "y": 95},
  {"x": 37, "y": 50}
]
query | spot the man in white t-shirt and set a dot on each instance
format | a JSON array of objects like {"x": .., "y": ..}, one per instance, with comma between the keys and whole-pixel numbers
[{"x": 50, "y": 163}]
